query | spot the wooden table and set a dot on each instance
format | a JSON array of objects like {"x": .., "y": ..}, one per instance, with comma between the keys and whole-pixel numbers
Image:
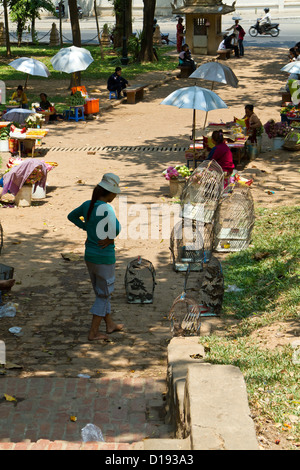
[{"x": 135, "y": 93}]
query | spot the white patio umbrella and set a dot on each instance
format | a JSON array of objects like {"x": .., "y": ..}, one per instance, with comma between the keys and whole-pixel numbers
[
  {"x": 292, "y": 67},
  {"x": 215, "y": 72},
  {"x": 72, "y": 59},
  {"x": 195, "y": 98},
  {"x": 17, "y": 115},
  {"x": 30, "y": 67}
]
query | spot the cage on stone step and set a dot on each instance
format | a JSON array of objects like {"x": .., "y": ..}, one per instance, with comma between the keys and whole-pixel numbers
[
  {"x": 202, "y": 192},
  {"x": 184, "y": 316},
  {"x": 234, "y": 220},
  {"x": 211, "y": 290},
  {"x": 186, "y": 245},
  {"x": 140, "y": 281}
]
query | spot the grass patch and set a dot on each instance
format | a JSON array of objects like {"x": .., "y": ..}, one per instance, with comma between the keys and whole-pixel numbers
[
  {"x": 100, "y": 69},
  {"x": 268, "y": 274}
]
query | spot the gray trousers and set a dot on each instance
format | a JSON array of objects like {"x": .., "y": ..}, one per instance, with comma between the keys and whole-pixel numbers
[{"x": 103, "y": 280}]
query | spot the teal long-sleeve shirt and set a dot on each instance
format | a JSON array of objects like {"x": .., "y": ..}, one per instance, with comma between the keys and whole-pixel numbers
[{"x": 101, "y": 224}]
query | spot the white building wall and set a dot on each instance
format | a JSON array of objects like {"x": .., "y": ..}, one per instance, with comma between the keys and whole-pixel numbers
[{"x": 163, "y": 7}]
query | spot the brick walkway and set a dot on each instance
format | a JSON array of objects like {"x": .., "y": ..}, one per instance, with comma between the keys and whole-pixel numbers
[{"x": 127, "y": 410}]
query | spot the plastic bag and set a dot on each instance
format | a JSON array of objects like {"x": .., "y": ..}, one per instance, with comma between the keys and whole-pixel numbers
[
  {"x": 91, "y": 433},
  {"x": 8, "y": 310}
]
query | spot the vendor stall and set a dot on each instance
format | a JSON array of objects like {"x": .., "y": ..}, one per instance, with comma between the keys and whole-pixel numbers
[
  {"x": 233, "y": 136},
  {"x": 27, "y": 139}
]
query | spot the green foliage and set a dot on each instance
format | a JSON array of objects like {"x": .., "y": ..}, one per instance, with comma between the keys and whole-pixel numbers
[
  {"x": 100, "y": 69},
  {"x": 76, "y": 99}
]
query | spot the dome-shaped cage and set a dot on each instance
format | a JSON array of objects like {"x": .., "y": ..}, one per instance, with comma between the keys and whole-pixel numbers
[
  {"x": 184, "y": 316},
  {"x": 202, "y": 192},
  {"x": 187, "y": 246},
  {"x": 211, "y": 289},
  {"x": 140, "y": 281},
  {"x": 234, "y": 220}
]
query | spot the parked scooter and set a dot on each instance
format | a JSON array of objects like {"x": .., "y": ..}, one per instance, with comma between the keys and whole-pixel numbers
[{"x": 271, "y": 29}]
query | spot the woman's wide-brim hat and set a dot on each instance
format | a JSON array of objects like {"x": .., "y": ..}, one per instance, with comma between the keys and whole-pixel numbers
[{"x": 110, "y": 182}]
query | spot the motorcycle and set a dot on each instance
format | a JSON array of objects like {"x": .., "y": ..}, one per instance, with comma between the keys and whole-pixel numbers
[{"x": 271, "y": 29}]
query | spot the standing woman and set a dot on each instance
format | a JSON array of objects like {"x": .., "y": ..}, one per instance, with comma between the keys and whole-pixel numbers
[
  {"x": 102, "y": 228},
  {"x": 179, "y": 34}
]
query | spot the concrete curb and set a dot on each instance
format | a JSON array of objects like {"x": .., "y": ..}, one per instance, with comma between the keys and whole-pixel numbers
[{"x": 208, "y": 404}]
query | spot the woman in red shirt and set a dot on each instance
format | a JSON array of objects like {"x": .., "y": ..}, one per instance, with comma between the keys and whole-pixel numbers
[{"x": 221, "y": 153}]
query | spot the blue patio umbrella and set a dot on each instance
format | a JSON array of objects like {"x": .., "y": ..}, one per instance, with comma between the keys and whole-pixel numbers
[{"x": 195, "y": 97}]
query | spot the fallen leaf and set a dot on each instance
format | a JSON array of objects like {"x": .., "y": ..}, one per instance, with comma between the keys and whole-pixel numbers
[
  {"x": 73, "y": 418},
  {"x": 11, "y": 365},
  {"x": 9, "y": 397},
  {"x": 71, "y": 256}
]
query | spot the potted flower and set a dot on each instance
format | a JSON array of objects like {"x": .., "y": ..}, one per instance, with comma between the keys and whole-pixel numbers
[
  {"x": 277, "y": 131},
  {"x": 177, "y": 176}
]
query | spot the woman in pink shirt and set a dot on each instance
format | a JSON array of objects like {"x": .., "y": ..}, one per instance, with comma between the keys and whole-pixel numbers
[{"x": 221, "y": 153}]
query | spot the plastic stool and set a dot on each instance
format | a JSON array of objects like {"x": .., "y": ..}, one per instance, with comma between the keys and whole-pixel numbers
[
  {"x": 113, "y": 93},
  {"x": 74, "y": 115}
]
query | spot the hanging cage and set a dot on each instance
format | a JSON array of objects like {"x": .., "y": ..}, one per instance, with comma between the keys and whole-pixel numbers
[
  {"x": 186, "y": 246},
  {"x": 184, "y": 314},
  {"x": 140, "y": 281},
  {"x": 211, "y": 291},
  {"x": 202, "y": 192},
  {"x": 234, "y": 220}
]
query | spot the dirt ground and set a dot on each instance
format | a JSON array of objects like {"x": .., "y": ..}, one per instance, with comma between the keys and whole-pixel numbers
[{"x": 54, "y": 294}]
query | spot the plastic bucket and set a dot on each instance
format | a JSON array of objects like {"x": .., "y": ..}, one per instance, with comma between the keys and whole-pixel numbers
[{"x": 91, "y": 106}]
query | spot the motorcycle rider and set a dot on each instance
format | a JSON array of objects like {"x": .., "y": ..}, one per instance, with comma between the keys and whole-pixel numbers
[{"x": 265, "y": 21}]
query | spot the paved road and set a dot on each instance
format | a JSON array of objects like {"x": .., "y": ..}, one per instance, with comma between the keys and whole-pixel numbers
[{"x": 289, "y": 33}]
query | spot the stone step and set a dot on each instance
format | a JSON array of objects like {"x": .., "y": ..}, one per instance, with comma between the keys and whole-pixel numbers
[{"x": 167, "y": 444}]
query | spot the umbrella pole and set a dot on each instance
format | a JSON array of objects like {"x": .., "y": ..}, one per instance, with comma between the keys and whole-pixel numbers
[
  {"x": 25, "y": 86},
  {"x": 194, "y": 136},
  {"x": 212, "y": 86}
]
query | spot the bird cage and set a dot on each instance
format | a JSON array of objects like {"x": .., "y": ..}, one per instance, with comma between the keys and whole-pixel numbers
[
  {"x": 208, "y": 238},
  {"x": 211, "y": 290},
  {"x": 234, "y": 220},
  {"x": 186, "y": 246},
  {"x": 202, "y": 192},
  {"x": 184, "y": 314},
  {"x": 140, "y": 281}
]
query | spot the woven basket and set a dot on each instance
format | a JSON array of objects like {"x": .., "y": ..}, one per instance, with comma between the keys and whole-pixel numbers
[{"x": 291, "y": 145}]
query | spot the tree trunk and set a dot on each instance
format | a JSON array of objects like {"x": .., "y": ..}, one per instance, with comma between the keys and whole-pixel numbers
[
  {"x": 8, "y": 51},
  {"x": 120, "y": 6},
  {"x": 98, "y": 29},
  {"x": 147, "y": 54},
  {"x": 76, "y": 35},
  {"x": 33, "y": 38}
]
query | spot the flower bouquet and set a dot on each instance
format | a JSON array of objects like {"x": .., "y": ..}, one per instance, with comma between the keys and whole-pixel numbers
[
  {"x": 276, "y": 129},
  {"x": 35, "y": 120},
  {"x": 177, "y": 172}
]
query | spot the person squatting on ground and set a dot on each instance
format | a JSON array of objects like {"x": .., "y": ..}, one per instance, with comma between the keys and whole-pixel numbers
[
  {"x": 185, "y": 57},
  {"x": 117, "y": 83},
  {"x": 102, "y": 227}
]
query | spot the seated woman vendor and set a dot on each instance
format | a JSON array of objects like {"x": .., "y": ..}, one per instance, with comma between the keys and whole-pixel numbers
[
  {"x": 45, "y": 105},
  {"x": 255, "y": 124},
  {"x": 221, "y": 153},
  {"x": 20, "y": 97}
]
